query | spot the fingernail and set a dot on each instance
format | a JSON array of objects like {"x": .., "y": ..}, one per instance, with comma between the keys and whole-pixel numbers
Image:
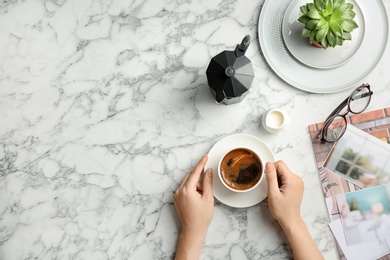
[{"x": 268, "y": 166}]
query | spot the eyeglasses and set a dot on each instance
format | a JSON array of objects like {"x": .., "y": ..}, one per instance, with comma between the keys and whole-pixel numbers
[{"x": 336, "y": 123}]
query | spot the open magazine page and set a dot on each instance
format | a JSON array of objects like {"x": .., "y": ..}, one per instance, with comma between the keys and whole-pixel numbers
[
  {"x": 375, "y": 123},
  {"x": 360, "y": 158}
]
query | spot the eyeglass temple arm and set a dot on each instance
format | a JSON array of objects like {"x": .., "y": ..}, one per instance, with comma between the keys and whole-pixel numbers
[
  {"x": 338, "y": 108},
  {"x": 362, "y": 95},
  {"x": 345, "y": 102}
]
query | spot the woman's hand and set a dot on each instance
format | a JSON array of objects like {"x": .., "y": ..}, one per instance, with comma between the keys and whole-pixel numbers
[
  {"x": 285, "y": 192},
  {"x": 285, "y": 198},
  {"x": 194, "y": 203}
]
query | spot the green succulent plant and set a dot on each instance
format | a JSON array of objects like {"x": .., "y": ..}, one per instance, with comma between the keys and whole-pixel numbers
[{"x": 328, "y": 22}]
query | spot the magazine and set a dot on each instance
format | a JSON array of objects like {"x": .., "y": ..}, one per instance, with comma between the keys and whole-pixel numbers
[
  {"x": 375, "y": 123},
  {"x": 337, "y": 180}
]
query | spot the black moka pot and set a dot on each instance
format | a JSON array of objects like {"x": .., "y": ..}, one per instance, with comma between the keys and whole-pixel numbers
[{"x": 230, "y": 74}]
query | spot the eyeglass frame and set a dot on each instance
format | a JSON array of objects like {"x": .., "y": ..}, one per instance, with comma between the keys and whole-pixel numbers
[{"x": 339, "y": 108}]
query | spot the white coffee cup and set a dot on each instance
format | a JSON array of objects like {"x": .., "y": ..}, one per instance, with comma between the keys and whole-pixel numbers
[{"x": 245, "y": 168}]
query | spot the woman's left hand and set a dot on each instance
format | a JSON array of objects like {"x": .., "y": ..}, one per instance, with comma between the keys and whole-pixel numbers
[{"x": 194, "y": 203}]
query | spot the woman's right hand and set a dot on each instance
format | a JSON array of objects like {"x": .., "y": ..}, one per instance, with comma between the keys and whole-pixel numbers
[{"x": 284, "y": 198}]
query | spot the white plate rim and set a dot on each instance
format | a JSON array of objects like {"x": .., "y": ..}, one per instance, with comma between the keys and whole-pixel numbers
[
  {"x": 306, "y": 78},
  {"x": 226, "y": 196}
]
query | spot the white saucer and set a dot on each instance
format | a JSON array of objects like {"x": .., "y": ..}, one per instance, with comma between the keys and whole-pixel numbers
[
  {"x": 314, "y": 57},
  {"x": 226, "y": 196}
]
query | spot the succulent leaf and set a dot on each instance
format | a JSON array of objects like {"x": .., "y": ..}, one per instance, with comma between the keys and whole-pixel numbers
[
  {"x": 325, "y": 43},
  {"x": 328, "y": 22},
  {"x": 347, "y": 36},
  {"x": 321, "y": 34},
  {"x": 332, "y": 38},
  {"x": 339, "y": 41},
  {"x": 337, "y": 3},
  {"x": 337, "y": 13},
  {"x": 355, "y": 25},
  {"x": 336, "y": 28},
  {"x": 322, "y": 23},
  {"x": 311, "y": 24},
  {"x": 343, "y": 8},
  {"x": 304, "y": 9},
  {"x": 305, "y": 32},
  {"x": 348, "y": 25},
  {"x": 348, "y": 15},
  {"x": 314, "y": 14},
  {"x": 329, "y": 7},
  {"x": 320, "y": 6},
  {"x": 311, "y": 6},
  {"x": 349, "y": 6},
  {"x": 304, "y": 19},
  {"x": 312, "y": 37}
]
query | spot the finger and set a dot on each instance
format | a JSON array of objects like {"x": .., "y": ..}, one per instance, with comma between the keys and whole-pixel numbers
[
  {"x": 208, "y": 183},
  {"x": 272, "y": 177},
  {"x": 282, "y": 171},
  {"x": 184, "y": 181},
  {"x": 199, "y": 186},
  {"x": 196, "y": 172}
]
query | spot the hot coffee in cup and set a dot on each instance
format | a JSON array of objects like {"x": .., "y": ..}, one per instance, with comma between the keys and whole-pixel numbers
[{"x": 240, "y": 170}]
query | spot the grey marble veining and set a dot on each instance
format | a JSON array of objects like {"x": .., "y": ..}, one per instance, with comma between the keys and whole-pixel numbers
[{"x": 104, "y": 107}]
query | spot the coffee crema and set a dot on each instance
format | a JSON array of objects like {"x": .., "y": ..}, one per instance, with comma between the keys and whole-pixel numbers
[{"x": 241, "y": 169}]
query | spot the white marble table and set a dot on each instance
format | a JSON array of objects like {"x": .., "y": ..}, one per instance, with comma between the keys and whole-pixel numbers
[{"x": 104, "y": 106}]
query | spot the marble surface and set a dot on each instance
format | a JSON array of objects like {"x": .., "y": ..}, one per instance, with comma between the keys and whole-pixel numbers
[{"x": 104, "y": 107}]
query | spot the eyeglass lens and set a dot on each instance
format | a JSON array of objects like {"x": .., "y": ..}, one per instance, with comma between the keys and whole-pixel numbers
[
  {"x": 359, "y": 100},
  {"x": 335, "y": 126}
]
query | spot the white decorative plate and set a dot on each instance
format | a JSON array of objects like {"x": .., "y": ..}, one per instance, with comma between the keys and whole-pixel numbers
[
  {"x": 314, "y": 57},
  {"x": 350, "y": 74},
  {"x": 226, "y": 196}
]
